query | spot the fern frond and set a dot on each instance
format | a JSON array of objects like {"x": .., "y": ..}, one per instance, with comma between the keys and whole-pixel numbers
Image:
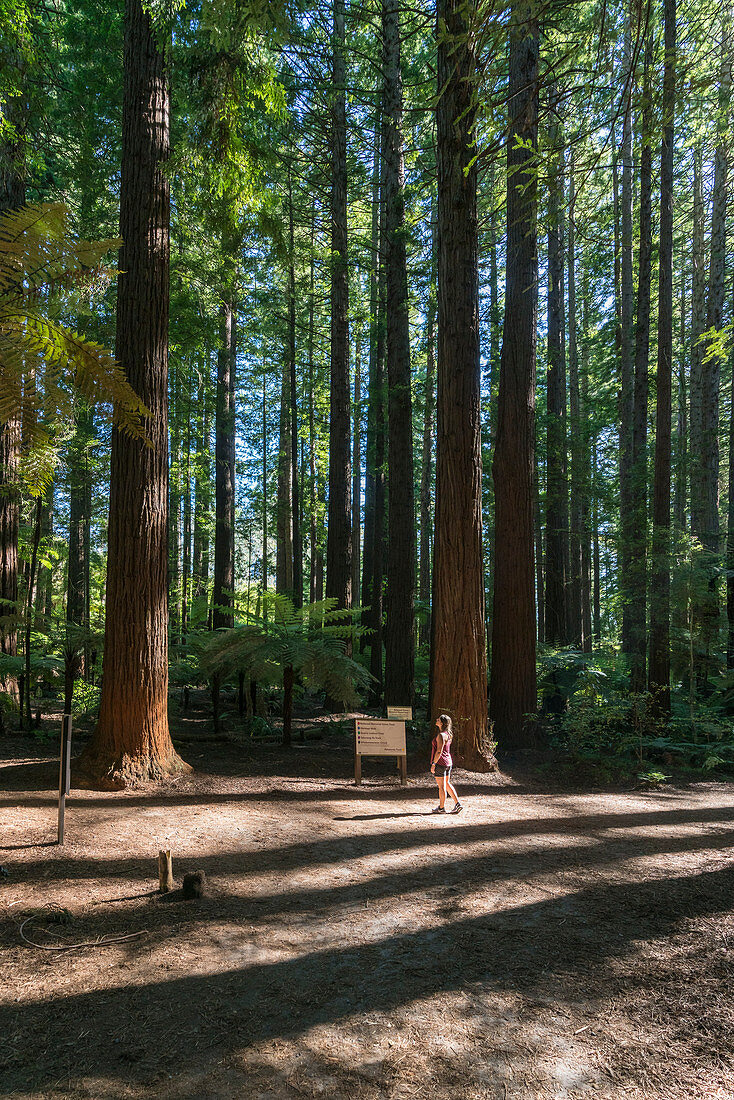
[{"x": 44, "y": 363}]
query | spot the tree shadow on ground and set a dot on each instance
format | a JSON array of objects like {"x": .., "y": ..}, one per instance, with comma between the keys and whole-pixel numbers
[
  {"x": 470, "y": 873},
  {"x": 122, "y": 1034},
  {"x": 447, "y": 832}
]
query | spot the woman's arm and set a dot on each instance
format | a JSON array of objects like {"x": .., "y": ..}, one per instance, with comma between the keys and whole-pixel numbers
[{"x": 438, "y": 749}]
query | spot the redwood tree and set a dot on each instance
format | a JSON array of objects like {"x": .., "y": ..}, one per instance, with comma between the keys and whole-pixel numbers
[
  {"x": 12, "y": 196},
  {"x": 458, "y": 647},
  {"x": 556, "y": 540},
  {"x": 339, "y": 533},
  {"x": 131, "y": 742},
  {"x": 659, "y": 668},
  {"x": 399, "y": 627},
  {"x": 513, "y": 680}
]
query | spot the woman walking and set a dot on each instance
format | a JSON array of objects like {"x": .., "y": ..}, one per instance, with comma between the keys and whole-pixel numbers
[{"x": 441, "y": 764}]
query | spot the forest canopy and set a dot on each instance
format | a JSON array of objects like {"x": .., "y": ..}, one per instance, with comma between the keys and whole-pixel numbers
[{"x": 427, "y": 313}]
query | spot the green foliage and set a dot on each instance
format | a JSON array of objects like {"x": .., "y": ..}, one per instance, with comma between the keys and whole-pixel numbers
[
  {"x": 44, "y": 364},
  {"x": 309, "y": 641},
  {"x": 653, "y": 779},
  {"x": 45, "y": 667},
  {"x": 86, "y": 699}
]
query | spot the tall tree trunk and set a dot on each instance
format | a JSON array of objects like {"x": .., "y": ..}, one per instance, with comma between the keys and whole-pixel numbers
[
  {"x": 556, "y": 495},
  {"x": 339, "y": 531},
  {"x": 401, "y": 541},
  {"x": 596, "y": 555},
  {"x": 284, "y": 505},
  {"x": 711, "y": 364},
  {"x": 206, "y": 503},
  {"x": 577, "y": 437},
  {"x": 626, "y": 359},
  {"x": 378, "y": 534},
  {"x": 224, "y": 462},
  {"x": 372, "y": 397},
  {"x": 424, "y": 577},
  {"x": 45, "y": 574},
  {"x": 513, "y": 682},
  {"x": 458, "y": 650},
  {"x": 659, "y": 670},
  {"x": 12, "y": 196},
  {"x": 698, "y": 324},
  {"x": 131, "y": 741},
  {"x": 637, "y": 534},
  {"x": 264, "y": 486},
  {"x": 186, "y": 553},
  {"x": 78, "y": 565},
  {"x": 32, "y": 573},
  {"x": 313, "y": 531},
  {"x": 198, "y": 517},
  {"x": 174, "y": 508},
  {"x": 585, "y": 479},
  {"x": 681, "y": 432},
  {"x": 296, "y": 543},
  {"x": 539, "y": 557},
  {"x": 730, "y": 534},
  {"x": 357, "y": 471}
]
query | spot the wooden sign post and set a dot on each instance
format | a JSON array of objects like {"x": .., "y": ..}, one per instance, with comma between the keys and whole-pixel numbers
[
  {"x": 379, "y": 737},
  {"x": 64, "y": 771}
]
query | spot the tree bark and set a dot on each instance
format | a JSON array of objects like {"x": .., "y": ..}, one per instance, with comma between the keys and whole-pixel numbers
[
  {"x": 284, "y": 504},
  {"x": 186, "y": 550},
  {"x": 682, "y": 421},
  {"x": 357, "y": 471},
  {"x": 708, "y": 528},
  {"x": 372, "y": 397},
  {"x": 296, "y": 542},
  {"x": 626, "y": 359},
  {"x": 513, "y": 692},
  {"x": 659, "y": 669},
  {"x": 636, "y": 535},
  {"x": 339, "y": 531},
  {"x": 12, "y": 196},
  {"x": 131, "y": 741},
  {"x": 424, "y": 577},
  {"x": 78, "y": 564},
  {"x": 401, "y": 541},
  {"x": 224, "y": 462},
  {"x": 174, "y": 509},
  {"x": 556, "y": 495},
  {"x": 587, "y": 520},
  {"x": 575, "y": 635},
  {"x": 458, "y": 649},
  {"x": 378, "y": 412}
]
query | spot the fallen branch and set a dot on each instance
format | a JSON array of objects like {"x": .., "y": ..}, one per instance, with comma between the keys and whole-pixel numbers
[{"x": 101, "y": 941}]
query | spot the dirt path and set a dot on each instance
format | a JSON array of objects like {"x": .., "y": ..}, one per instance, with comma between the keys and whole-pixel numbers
[{"x": 541, "y": 945}]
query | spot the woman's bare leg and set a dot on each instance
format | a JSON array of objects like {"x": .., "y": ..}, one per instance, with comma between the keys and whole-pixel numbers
[
  {"x": 452, "y": 791},
  {"x": 441, "y": 780}
]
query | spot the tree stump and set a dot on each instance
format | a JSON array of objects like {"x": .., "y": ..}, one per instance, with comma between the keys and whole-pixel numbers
[
  {"x": 194, "y": 885},
  {"x": 165, "y": 871}
]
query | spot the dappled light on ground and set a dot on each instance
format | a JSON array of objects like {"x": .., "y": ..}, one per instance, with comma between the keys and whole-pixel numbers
[{"x": 541, "y": 945}]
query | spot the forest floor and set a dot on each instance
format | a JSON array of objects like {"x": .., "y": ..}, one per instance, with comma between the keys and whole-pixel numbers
[{"x": 547, "y": 943}]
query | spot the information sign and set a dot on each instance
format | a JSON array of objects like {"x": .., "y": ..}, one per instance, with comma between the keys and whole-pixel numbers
[
  {"x": 402, "y": 714},
  {"x": 379, "y": 737}
]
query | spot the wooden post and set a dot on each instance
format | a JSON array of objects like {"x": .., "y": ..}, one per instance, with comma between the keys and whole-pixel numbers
[
  {"x": 357, "y": 769},
  {"x": 165, "y": 871},
  {"x": 64, "y": 772},
  {"x": 403, "y": 769}
]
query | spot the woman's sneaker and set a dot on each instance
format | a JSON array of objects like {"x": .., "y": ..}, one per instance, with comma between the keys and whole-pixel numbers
[
  {"x": 457, "y": 808},
  {"x": 439, "y": 810}
]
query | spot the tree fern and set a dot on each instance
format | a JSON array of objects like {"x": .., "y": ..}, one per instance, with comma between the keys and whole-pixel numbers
[
  {"x": 288, "y": 642},
  {"x": 44, "y": 364}
]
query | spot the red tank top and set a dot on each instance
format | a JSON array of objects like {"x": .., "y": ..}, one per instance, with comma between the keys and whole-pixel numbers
[{"x": 445, "y": 755}]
